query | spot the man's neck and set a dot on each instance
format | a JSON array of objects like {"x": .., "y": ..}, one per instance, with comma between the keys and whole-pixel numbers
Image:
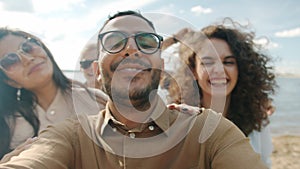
[{"x": 126, "y": 113}]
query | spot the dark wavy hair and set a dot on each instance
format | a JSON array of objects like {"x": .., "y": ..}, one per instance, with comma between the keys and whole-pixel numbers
[
  {"x": 256, "y": 80},
  {"x": 10, "y": 106}
]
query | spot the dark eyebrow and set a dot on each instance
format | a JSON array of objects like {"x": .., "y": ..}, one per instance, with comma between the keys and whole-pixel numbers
[{"x": 230, "y": 57}]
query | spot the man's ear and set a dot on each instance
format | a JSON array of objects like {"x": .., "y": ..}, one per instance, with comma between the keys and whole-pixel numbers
[
  {"x": 96, "y": 70},
  {"x": 13, "y": 83}
]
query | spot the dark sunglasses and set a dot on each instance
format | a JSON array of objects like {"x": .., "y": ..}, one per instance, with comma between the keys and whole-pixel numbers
[
  {"x": 11, "y": 60},
  {"x": 115, "y": 41},
  {"x": 86, "y": 63}
]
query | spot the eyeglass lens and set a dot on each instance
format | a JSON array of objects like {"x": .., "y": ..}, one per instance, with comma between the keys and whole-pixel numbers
[{"x": 115, "y": 41}]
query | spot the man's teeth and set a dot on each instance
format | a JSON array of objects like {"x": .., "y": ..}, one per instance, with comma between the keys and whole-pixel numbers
[
  {"x": 135, "y": 69},
  {"x": 132, "y": 69}
]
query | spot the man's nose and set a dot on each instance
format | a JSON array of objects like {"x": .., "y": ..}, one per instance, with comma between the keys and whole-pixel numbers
[{"x": 131, "y": 47}]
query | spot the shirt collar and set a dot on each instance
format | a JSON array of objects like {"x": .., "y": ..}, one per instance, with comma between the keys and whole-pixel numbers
[{"x": 161, "y": 116}]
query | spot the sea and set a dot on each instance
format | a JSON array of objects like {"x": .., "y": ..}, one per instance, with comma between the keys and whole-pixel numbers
[{"x": 286, "y": 118}]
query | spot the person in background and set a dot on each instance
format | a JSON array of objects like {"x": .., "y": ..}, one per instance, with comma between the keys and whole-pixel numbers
[
  {"x": 136, "y": 130},
  {"x": 232, "y": 75},
  {"x": 34, "y": 90},
  {"x": 87, "y": 57}
]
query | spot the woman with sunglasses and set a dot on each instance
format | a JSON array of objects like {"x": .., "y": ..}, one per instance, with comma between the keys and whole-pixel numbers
[
  {"x": 34, "y": 91},
  {"x": 88, "y": 56},
  {"x": 224, "y": 70}
]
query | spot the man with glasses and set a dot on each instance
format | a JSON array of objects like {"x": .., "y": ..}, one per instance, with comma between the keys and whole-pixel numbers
[
  {"x": 136, "y": 130},
  {"x": 87, "y": 57}
]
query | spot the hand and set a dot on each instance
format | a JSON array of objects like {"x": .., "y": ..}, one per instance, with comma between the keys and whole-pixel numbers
[
  {"x": 183, "y": 34},
  {"x": 184, "y": 108},
  {"x": 18, "y": 150}
]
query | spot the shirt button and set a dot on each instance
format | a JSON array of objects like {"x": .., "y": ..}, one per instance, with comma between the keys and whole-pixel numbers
[
  {"x": 131, "y": 135},
  {"x": 151, "y": 128},
  {"x": 114, "y": 129},
  {"x": 52, "y": 112},
  {"x": 121, "y": 163}
]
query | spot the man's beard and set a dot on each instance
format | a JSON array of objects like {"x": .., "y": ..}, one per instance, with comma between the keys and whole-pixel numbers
[{"x": 140, "y": 98}]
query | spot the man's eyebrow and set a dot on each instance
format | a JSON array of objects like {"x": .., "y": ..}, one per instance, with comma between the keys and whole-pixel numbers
[{"x": 206, "y": 57}]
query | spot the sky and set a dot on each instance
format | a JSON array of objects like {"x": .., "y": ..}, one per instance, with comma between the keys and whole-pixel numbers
[{"x": 65, "y": 26}]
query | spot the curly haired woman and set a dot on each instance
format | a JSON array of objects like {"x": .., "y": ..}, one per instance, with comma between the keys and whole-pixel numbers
[{"x": 230, "y": 75}]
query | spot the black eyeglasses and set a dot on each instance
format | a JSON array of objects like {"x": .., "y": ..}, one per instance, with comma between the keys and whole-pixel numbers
[
  {"x": 86, "y": 63},
  {"x": 115, "y": 41},
  {"x": 10, "y": 61}
]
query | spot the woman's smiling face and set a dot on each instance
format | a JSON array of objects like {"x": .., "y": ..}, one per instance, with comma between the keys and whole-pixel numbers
[
  {"x": 216, "y": 68},
  {"x": 34, "y": 66}
]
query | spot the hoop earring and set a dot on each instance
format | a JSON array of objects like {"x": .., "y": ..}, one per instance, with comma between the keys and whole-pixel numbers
[{"x": 19, "y": 94}]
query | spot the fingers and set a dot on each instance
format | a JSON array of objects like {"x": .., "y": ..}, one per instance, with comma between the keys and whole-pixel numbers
[
  {"x": 184, "y": 108},
  {"x": 182, "y": 33}
]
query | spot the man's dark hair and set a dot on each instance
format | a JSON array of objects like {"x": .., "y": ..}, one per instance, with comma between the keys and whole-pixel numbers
[{"x": 125, "y": 13}]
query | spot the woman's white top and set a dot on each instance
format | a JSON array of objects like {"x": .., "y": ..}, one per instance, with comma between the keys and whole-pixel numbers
[
  {"x": 262, "y": 144},
  {"x": 64, "y": 105}
]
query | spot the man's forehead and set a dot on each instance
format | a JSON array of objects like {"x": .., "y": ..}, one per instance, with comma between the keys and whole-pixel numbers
[{"x": 129, "y": 23}]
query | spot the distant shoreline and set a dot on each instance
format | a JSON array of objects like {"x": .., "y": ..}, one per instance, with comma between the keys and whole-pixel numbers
[
  {"x": 287, "y": 75},
  {"x": 280, "y": 75}
]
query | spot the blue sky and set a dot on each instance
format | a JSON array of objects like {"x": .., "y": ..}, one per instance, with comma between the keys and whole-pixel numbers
[{"x": 67, "y": 25}]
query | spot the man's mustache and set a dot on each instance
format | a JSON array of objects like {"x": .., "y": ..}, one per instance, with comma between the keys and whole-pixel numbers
[{"x": 114, "y": 66}]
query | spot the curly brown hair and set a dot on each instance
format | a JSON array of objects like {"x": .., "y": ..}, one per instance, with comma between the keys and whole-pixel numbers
[{"x": 256, "y": 80}]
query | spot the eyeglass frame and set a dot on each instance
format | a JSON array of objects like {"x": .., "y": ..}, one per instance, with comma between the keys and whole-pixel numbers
[
  {"x": 160, "y": 38},
  {"x": 20, "y": 50}
]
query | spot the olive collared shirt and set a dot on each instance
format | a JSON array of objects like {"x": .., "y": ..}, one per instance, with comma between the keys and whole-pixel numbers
[{"x": 169, "y": 140}]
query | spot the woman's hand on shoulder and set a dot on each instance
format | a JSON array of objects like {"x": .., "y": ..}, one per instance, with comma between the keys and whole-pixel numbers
[{"x": 184, "y": 108}]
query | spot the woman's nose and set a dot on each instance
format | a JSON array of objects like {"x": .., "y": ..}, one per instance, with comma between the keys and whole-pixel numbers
[
  {"x": 26, "y": 58},
  {"x": 218, "y": 67}
]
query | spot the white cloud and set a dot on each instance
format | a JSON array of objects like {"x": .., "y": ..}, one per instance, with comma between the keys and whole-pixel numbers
[
  {"x": 266, "y": 43},
  {"x": 198, "y": 10},
  {"x": 55, "y": 5},
  {"x": 65, "y": 35},
  {"x": 20, "y": 6},
  {"x": 21, "y": 20},
  {"x": 288, "y": 33}
]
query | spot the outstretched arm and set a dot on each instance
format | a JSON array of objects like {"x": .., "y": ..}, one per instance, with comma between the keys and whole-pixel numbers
[{"x": 52, "y": 149}]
